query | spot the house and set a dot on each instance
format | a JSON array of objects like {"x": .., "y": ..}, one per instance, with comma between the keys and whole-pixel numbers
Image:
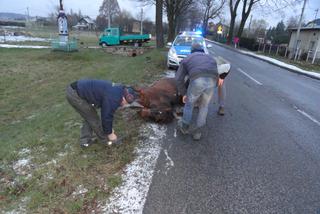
[
  {"x": 85, "y": 23},
  {"x": 309, "y": 39},
  {"x": 136, "y": 27}
]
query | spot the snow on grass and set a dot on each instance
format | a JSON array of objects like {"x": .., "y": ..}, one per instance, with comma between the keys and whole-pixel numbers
[
  {"x": 22, "y": 166},
  {"x": 170, "y": 73},
  {"x": 23, "y": 46},
  {"x": 277, "y": 62},
  {"x": 22, "y": 39},
  {"x": 131, "y": 195},
  {"x": 283, "y": 64},
  {"x": 80, "y": 190}
]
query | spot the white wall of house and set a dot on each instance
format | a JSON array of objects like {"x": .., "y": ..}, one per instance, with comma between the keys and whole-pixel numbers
[{"x": 309, "y": 39}]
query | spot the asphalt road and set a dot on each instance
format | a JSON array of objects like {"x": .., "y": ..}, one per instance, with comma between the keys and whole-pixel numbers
[{"x": 263, "y": 156}]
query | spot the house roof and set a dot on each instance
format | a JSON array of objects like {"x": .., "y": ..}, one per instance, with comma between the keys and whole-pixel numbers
[
  {"x": 313, "y": 25},
  {"x": 87, "y": 19}
]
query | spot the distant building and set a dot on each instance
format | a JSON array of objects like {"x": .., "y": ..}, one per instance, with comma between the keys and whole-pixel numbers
[
  {"x": 136, "y": 27},
  {"x": 309, "y": 39},
  {"x": 85, "y": 23}
]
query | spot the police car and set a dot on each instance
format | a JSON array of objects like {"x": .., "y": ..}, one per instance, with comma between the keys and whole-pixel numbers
[{"x": 180, "y": 48}]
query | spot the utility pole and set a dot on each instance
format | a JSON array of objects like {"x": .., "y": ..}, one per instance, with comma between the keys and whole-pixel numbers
[
  {"x": 28, "y": 13},
  {"x": 315, "y": 17},
  {"x": 141, "y": 21},
  {"x": 297, "y": 43}
]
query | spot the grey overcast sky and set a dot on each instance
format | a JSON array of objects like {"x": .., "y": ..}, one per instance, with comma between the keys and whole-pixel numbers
[{"x": 91, "y": 8}]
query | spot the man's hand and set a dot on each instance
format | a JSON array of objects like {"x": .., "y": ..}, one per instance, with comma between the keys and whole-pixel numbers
[
  {"x": 184, "y": 99},
  {"x": 220, "y": 82},
  {"x": 112, "y": 136}
]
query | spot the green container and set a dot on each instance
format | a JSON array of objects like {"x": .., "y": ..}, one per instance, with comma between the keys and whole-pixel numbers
[{"x": 69, "y": 46}]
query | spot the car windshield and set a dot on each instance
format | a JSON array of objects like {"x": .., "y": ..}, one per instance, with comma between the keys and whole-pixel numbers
[{"x": 188, "y": 41}]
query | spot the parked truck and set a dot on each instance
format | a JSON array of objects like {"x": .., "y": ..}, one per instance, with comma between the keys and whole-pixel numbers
[{"x": 112, "y": 36}]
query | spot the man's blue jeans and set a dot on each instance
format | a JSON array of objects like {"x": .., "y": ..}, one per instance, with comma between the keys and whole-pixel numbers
[{"x": 200, "y": 90}]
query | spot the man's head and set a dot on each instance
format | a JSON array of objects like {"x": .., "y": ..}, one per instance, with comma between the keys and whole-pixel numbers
[
  {"x": 196, "y": 47},
  {"x": 129, "y": 95}
]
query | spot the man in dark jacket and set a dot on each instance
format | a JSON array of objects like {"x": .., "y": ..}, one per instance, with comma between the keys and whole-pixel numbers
[
  {"x": 202, "y": 72},
  {"x": 87, "y": 95}
]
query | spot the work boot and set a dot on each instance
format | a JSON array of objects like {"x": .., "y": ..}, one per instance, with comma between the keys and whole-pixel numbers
[
  {"x": 183, "y": 127},
  {"x": 196, "y": 135},
  {"x": 221, "y": 111},
  {"x": 87, "y": 143}
]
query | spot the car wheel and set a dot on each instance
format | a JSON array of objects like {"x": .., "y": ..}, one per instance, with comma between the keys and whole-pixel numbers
[{"x": 104, "y": 44}]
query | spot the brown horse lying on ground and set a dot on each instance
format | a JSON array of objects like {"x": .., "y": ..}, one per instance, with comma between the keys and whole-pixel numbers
[{"x": 159, "y": 100}]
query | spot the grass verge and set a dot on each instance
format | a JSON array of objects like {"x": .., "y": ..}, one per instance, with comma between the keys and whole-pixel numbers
[
  {"x": 300, "y": 64},
  {"x": 42, "y": 167}
]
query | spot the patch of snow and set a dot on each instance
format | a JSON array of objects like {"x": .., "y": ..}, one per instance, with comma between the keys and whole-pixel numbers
[
  {"x": 24, "y": 46},
  {"x": 21, "y": 163},
  {"x": 170, "y": 73},
  {"x": 62, "y": 154},
  {"x": 21, "y": 208},
  {"x": 283, "y": 64},
  {"x": 169, "y": 161},
  {"x": 15, "y": 122},
  {"x": 12, "y": 27},
  {"x": 131, "y": 195},
  {"x": 22, "y": 39},
  {"x": 23, "y": 166},
  {"x": 52, "y": 162},
  {"x": 79, "y": 190},
  {"x": 275, "y": 61},
  {"x": 24, "y": 151}
]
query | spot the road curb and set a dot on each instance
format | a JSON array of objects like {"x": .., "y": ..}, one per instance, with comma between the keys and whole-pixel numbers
[{"x": 270, "y": 62}]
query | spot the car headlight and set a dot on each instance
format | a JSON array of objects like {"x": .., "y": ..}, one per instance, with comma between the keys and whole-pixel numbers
[{"x": 172, "y": 53}]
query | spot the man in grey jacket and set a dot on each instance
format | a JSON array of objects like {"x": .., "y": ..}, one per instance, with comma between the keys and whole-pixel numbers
[{"x": 202, "y": 72}]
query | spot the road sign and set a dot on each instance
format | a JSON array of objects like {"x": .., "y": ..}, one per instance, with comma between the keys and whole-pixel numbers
[{"x": 219, "y": 29}]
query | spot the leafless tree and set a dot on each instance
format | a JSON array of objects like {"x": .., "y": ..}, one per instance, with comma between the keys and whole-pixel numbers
[
  {"x": 159, "y": 15},
  {"x": 124, "y": 20},
  {"x": 246, "y": 9},
  {"x": 159, "y": 24},
  {"x": 266, "y": 6},
  {"x": 174, "y": 10},
  {"x": 233, "y": 7},
  {"x": 293, "y": 21},
  {"x": 210, "y": 9},
  {"x": 258, "y": 28},
  {"x": 109, "y": 8}
]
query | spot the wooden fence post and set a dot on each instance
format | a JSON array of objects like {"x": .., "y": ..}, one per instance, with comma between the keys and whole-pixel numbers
[{"x": 270, "y": 48}]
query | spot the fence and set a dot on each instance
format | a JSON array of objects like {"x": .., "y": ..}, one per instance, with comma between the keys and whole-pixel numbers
[{"x": 311, "y": 56}]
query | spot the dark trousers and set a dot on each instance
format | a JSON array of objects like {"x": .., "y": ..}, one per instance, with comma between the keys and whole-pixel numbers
[{"x": 92, "y": 121}]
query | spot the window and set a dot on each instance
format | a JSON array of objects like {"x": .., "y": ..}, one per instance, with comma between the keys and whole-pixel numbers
[{"x": 311, "y": 45}]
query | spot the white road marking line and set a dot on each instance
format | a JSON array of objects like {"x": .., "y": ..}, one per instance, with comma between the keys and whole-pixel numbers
[
  {"x": 250, "y": 77},
  {"x": 131, "y": 196},
  {"x": 308, "y": 116}
]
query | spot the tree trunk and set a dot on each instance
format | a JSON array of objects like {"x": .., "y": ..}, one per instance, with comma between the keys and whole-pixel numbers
[
  {"x": 241, "y": 27},
  {"x": 231, "y": 29},
  {"x": 172, "y": 27},
  {"x": 245, "y": 15},
  {"x": 159, "y": 24},
  {"x": 233, "y": 13}
]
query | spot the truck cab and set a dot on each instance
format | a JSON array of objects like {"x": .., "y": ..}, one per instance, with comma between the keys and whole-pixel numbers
[{"x": 110, "y": 36}]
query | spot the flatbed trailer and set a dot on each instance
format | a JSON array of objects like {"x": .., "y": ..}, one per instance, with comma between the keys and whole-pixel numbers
[{"x": 112, "y": 36}]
